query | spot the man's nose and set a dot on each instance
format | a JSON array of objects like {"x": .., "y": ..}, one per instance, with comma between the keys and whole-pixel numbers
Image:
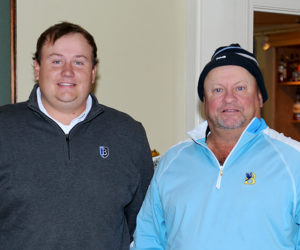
[
  {"x": 67, "y": 69},
  {"x": 229, "y": 95}
]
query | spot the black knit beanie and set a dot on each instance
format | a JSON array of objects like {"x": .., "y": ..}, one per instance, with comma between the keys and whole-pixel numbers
[{"x": 233, "y": 55}]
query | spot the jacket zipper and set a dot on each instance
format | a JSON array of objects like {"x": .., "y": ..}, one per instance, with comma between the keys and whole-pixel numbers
[
  {"x": 218, "y": 186},
  {"x": 37, "y": 110},
  {"x": 68, "y": 145}
]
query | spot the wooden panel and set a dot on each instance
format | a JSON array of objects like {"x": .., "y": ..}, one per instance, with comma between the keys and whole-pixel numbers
[
  {"x": 13, "y": 53},
  {"x": 5, "y": 92},
  {"x": 284, "y": 39},
  {"x": 285, "y": 96}
]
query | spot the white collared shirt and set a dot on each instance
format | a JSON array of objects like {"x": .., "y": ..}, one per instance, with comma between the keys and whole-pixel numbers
[{"x": 65, "y": 128}]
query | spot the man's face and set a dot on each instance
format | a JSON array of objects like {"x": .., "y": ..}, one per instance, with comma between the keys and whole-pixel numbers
[
  {"x": 231, "y": 97},
  {"x": 65, "y": 74}
]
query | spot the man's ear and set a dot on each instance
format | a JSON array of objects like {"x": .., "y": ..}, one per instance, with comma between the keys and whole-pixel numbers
[
  {"x": 261, "y": 102},
  {"x": 94, "y": 73},
  {"x": 36, "y": 69}
]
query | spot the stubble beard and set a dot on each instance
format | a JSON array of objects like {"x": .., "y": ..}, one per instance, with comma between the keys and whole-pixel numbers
[{"x": 231, "y": 124}]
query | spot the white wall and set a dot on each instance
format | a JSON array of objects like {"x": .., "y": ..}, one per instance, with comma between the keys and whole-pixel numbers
[
  {"x": 215, "y": 23},
  {"x": 142, "y": 56}
]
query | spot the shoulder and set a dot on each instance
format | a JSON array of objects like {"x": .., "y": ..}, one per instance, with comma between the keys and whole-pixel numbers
[
  {"x": 120, "y": 124},
  {"x": 14, "y": 118},
  {"x": 168, "y": 160},
  {"x": 5, "y": 109},
  {"x": 115, "y": 115},
  {"x": 281, "y": 141},
  {"x": 13, "y": 111}
]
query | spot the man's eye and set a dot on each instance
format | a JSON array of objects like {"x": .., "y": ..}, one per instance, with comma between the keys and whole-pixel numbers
[
  {"x": 78, "y": 63},
  {"x": 56, "y": 62},
  {"x": 240, "y": 88},
  {"x": 218, "y": 90}
]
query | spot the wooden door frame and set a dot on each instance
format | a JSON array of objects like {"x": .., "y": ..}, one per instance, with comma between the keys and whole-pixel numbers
[{"x": 13, "y": 80}]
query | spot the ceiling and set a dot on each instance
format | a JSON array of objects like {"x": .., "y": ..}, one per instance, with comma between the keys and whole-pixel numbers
[
  {"x": 277, "y": 29},
  {"x": 268, "y": 23}
]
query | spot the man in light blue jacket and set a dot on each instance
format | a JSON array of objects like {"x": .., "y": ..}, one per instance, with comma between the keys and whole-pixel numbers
[{"x": 235, "y": 185}]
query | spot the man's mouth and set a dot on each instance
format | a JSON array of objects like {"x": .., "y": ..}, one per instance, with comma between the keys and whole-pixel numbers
[
  {"x": 67, "y": 84},
  {"x": 230, "y": 110}
]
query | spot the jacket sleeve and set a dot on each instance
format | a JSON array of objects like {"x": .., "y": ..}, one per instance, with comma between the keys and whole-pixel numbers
[
  {"x": 144, "y": 165},
  {"x": 298, "y": 239},
  {"x": 298, "y": 229},
  {"x": 297, "y": 221},
  {"x": 151, "y": 229},
  {"x": 297, "y": 209}
]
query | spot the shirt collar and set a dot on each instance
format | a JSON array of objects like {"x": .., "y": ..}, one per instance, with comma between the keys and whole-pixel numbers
[{"x": 65, "y": 128}]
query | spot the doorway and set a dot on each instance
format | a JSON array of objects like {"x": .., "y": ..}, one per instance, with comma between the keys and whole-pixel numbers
[{"x": 276, "y": 34}]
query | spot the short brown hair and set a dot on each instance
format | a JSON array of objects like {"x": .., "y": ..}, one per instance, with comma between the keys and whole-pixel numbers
[{"x": 57, "y": 31}]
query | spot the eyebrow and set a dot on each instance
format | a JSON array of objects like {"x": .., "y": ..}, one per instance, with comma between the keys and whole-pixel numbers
[
  {"x": 218, "y": 84},
  {"x": 241, "y": 81},
  {"x": 60, "y": 55},
  {"x": 54, "y": 54},
  {"x": 82, "y": 56}
]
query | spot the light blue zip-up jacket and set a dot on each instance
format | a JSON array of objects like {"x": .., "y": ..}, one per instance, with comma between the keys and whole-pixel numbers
[{"x": 251, "y": 202}]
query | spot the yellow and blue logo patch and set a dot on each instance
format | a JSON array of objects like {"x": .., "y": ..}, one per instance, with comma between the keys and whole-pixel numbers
[{"x": 250, "y": 178}]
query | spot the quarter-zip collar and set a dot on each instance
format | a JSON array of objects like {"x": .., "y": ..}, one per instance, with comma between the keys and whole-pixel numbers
[
  {"x": 95, "y": 110},
  {"x": 65, "y": 128},
  {"x": 198, "y": 135},
  {"x": 254, "y": 127}
]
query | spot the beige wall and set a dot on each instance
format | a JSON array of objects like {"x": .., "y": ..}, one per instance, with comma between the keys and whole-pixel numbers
[
  {"x": 142, "y": 56},
  {"x": 151, "y": 51}
]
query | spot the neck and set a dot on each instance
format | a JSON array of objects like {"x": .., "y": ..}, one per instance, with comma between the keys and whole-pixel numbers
[
  {"x": 64, "y": 118},
  {"x": 64, "y": 114},
  {"x": 221, "y": 143}
]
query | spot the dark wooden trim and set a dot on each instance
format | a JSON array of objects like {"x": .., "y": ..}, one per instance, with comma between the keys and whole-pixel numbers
[{"x": 13, "y": 54}]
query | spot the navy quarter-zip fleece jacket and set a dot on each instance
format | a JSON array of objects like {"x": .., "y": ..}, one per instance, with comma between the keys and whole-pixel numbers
[{"x": 76, "y": 192}]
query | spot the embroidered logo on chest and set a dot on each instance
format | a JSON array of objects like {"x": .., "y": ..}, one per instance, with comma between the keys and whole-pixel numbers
[
  {"x": 250, "y": 178},
  {"x": 104, "y": 151}
]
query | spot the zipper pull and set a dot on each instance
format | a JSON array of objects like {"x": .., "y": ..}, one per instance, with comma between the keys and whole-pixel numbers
[{"x": 219, "y": 177}]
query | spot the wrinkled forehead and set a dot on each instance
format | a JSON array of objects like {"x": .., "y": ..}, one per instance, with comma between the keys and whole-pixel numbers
[
  {"x": 51, "y": 39},
  {"x": 73, "y": 43},
  {"x": 229, "y": 74}
]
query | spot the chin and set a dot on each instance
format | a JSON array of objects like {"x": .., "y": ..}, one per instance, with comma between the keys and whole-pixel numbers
[{"x": 230, "y": 124}]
